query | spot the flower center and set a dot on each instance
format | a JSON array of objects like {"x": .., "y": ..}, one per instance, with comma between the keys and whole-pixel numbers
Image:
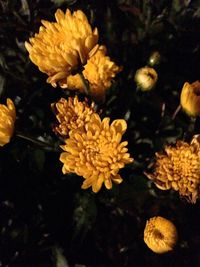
[
  {"x": 158, "y": 234},
  {"x": 151, "y": 75},
  {"x": 197, "y": 91}
]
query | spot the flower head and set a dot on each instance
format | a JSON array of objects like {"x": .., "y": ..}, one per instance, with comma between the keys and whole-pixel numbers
[
  {"x": 7, "y": 121},
  {"x": 62, "y": 46},
  {"x": 160, "y": 235},
  {"x": 99, "y": 71},
  {"x": 146, "y": 78},
  {"x": 178, "y": 168},
  {"x": 190, "y": 98},
  {"x": 96, "y": 152},
  {"x": 71, "y": 115}
]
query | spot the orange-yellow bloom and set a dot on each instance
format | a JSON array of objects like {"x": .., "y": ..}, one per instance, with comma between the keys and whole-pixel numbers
[
  {"x": 71, "y": 115},
  {"x": 190, "y": 98},
  {"x": 7, "y": 121},
  {"x": 178, "y": 168},
  {"x": 160, "y": 235},
  {"x": 96, "y": 152},
  {"x": 62, "y": 46},
  {"x": 99, "y": 71}
]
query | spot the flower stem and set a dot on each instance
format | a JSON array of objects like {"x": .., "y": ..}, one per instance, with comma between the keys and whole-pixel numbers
[
  {"x": 45, "y": 145},
  {"x": 191, "y": 126},
  {"x": 176, "y": 112},
  {"x": 85, "y": 83}
]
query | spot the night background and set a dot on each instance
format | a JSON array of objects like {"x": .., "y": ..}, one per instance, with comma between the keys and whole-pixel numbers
[{"x": 46, "y": 219}]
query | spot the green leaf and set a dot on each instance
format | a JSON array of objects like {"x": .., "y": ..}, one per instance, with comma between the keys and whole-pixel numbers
[
  {"x": 84, "y": 213},
  {"x": 60, "y": 258},
  {"x": 61, "y": 2},
  {"x": 39, "y": 157},
  {"x": 2, "y": 84}
]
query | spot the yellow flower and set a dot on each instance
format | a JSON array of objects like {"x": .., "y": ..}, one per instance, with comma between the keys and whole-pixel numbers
[
  {"x": 7, "y": 121},
  {"x": 99, "y": 71},
  {"x": 190, "y": 98},
  {"x": 62, "y": 46},
  {"x": 178, "y": 168},
  {"x": 71, "y": 115},
  {"x": 96, "y": 153},
  {"x": 146, "y": 78},
  {"x": 160, "y": 235}
]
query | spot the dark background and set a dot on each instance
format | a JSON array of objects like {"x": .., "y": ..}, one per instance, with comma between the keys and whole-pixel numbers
[{"x": 45, "y": 218}]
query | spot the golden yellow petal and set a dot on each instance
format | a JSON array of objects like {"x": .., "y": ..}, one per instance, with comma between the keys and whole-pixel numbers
[
  {"x": 117, "y": 179},
  {"x": 120, "y": 125},
  {"x": 108, "y": 183},
  {"x": 97, "y": 184}
]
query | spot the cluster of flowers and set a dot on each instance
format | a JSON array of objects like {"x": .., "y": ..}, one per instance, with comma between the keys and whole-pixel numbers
[
  {"x": 68, "y": 47},
  {"x": 93, "y": 147},
  {"x": 68, "y": 52}
]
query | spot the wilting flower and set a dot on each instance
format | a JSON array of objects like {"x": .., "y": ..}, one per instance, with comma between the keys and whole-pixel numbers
[
  {"x": 190, "y": 98},
  {"x": 7, "y": 121},
  {"x": 99, "y": 71},
  {"x": 71, "y": 114},
  {"x": 178, "y": 168},
  {"x": 62, "y": 46},
  {"x": 96, "y": 153},
  {"x": 160, "y": 235},
  {"x": 146, "y": 78}
]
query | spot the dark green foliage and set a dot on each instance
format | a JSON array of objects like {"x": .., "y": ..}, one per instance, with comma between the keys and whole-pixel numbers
[{"x": 45, "y": 218}]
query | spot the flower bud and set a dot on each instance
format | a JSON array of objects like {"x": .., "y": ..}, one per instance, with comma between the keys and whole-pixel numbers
[
  {"x": 146, "y": 78},
  {"x": 160, "y": 235},
  {"x": 154, "y": 58},
  {"x": 190, "y": 98}
]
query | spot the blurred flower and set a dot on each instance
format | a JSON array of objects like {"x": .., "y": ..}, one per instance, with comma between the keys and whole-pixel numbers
[
  {"x": 146, "y": 78},
  {"x": 154, "y": 58},
  {"x": 99, "y": 71},
  {"x": 96, "y": 153},
  {"x": 190, "y": 98},
  {"x": 178, "y": 168},
  {"x": 63, "y": 46},
  {"x": 160, "y": 235},
  {"x": 71, "y": 115},
  {"x": 7, "y": 121}
]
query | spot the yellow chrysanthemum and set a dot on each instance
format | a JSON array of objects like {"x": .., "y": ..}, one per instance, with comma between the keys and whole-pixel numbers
[
  {"x": 146, "y": 78},
  {"x": 7, "y": 121},
  {"x": 96, "y": 153},
  {"x": 160, "y": 235},
  {"x": 99, "y": 71},
  {"x": 71, "y": 115},
  {"x": 190, "y": 98},
  {"x": 179, "y": 168},
  {"x": 63, "y": 46}
]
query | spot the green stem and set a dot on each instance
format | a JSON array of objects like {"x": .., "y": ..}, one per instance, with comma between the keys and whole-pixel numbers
[
  {"x": 176, "y": 112},
  {"x": 148, "y": 15},
  {"x": 37, "y": 142},
  {"x": 192, "y": 124},
  {"x": 19, "y": 18},
  {"x": 85, "y": 83}
]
